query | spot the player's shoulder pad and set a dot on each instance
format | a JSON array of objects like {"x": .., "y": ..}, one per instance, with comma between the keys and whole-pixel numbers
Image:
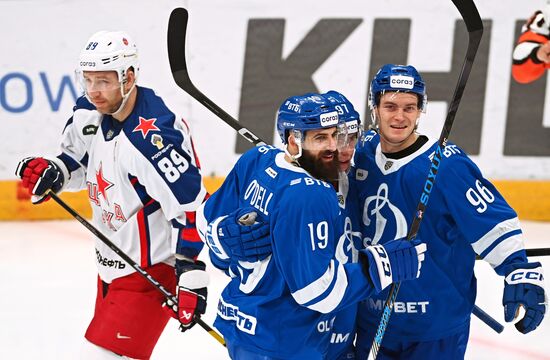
[
  {"x": 83, "y": 103},
  {"x": 368, "y": 142},
  {"x": 258, "y": 155},
  {"x": 453, "y": 159},
  {"x": 305, "y": 193},
  {"x": 305, "y": 182},
  {"x": 153, "y": 129}
]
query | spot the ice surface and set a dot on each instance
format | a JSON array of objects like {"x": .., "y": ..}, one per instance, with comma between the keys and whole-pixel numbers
[{"x": 47, "y": 296}]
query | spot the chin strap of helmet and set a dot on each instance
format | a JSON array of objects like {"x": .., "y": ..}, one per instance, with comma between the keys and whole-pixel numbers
[
  {"x": 298, "y": 139},
  {"x": 125, "y": 97}
]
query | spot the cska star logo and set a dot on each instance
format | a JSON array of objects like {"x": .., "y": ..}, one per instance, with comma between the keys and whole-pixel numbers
[
  {"x": 146, "y": 125},
  {"x": 102, "y": 183}
]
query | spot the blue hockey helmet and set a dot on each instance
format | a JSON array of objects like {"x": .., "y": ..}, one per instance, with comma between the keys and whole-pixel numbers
[
  {"x": 346, "y": 111},
  {"x": 310, "y": 111},
  {"x": 403, "y": 78}
]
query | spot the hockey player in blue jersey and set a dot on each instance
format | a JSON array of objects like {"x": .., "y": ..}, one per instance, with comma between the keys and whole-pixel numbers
[
  {"x": 465, "y": 216},
  {"x": 342, "y": 335},
  {"x": 282, "y": 306},
  {"x": 136, "y": 159}
]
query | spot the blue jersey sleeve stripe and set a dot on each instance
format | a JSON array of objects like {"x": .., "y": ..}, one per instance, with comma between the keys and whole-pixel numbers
[
  {"x": 317, "y": 287},
  {"x": 496, "y": 232},
  {"x": 498, "y": 241},
  {"x": 333, "y": 277},
  {"x": 517, "y": 257},
  {"x": 504, "y": 249},
  {"x": 328, "y": 303}
]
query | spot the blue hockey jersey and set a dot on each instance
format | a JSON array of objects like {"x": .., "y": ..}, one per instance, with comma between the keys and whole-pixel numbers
[
  {"x": 347, "y": 251},
  {"x": 465, "y": 216},
  {"x": 284, "y": 305}
]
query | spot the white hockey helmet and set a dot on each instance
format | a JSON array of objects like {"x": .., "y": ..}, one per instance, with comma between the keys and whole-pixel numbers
[{"x": 110, "y": 51}]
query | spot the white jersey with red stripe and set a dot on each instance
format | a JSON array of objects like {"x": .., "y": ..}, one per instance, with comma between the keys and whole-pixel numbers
[{"x": 141, "y": 174}]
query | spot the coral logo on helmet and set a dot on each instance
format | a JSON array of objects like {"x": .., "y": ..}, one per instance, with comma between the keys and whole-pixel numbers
[
  {"x": 87, "y": 63},
  {"x": 329, "y": 119},
  {"x": 125, "y": 41},
  {"x": 401, "y": 82},
  {"x": 352, "y": 126}
]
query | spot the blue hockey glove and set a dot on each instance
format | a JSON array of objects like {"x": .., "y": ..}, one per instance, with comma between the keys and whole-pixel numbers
[
  {"x": 241, "y": 235},
  {"x": 524, "y": 286},
  {"x": 191, "y": 293},
  {"x": 39, "y": 175},
  {"x": 395, "y": 261}
]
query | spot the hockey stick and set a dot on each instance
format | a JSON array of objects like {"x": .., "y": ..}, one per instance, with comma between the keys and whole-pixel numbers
[
  {"x": 538, "y": 252},
  {"x": 177, "y": 29},
  {"x": 530, "y": 252},
  {"x": 133, "y": 264},
  {"x": 471, "y": 17}
]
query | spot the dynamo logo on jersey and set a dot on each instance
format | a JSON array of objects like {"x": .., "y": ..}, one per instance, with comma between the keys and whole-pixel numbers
[
  {"x": 329, "y": 119},
  {"x": 401, "y": 82}
]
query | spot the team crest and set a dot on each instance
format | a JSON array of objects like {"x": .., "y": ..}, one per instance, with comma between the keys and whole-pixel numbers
[
  {"x": 361, "y": 174},
  {"x": 388, "y": 165},
  {"x": 146, "y": 125},
  {"x": 109, "y": 135},
  {"x": 156, "y": 140}
]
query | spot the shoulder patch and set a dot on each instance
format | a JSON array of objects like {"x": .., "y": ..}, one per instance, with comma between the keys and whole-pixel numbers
[
  {"x": 269, "y": 171},
  {"x": 89, "y": 130},
  {"x": 295, "y": 181}
]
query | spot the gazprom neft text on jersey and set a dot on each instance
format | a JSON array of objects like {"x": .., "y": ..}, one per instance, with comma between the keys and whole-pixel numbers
[{"x": 258, "y": 196}]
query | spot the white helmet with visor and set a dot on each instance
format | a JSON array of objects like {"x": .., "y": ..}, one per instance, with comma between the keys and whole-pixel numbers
[{"x": 108, "y": 51}]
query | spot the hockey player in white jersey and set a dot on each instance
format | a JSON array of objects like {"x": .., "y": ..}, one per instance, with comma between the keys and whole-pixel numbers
[
  {"x": 282, "y": 306},
  {"x": 136, "y": 159},
  {"x": 465, "y": 216}
]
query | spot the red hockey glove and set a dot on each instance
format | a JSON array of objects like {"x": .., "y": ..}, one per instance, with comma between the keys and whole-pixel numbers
[{"x": 39, "y": 175}]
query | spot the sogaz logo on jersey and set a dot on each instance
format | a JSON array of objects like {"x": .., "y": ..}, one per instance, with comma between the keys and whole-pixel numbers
[
  {"x": 329, "y": 119},
  {"x": 402, "y": 82}
]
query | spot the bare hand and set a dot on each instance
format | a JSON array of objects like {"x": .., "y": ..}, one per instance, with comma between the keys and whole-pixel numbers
[{"x": 543, "y": 53}]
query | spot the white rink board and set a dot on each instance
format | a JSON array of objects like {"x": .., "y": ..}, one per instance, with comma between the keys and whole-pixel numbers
[
  {"x": 48, "y": 39},
  {"x": 48, "y": 292}
]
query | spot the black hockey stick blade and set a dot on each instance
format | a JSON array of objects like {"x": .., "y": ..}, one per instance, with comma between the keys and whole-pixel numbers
[
  {"x": 530, "y": 252},
  {"x": 132, "y": 263},
  {"x": 177, "y": 30},
  {"x": 474, "y": 25}
]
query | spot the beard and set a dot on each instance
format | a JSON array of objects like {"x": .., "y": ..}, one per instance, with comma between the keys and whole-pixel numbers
[{"x": 319, "y": 169}]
